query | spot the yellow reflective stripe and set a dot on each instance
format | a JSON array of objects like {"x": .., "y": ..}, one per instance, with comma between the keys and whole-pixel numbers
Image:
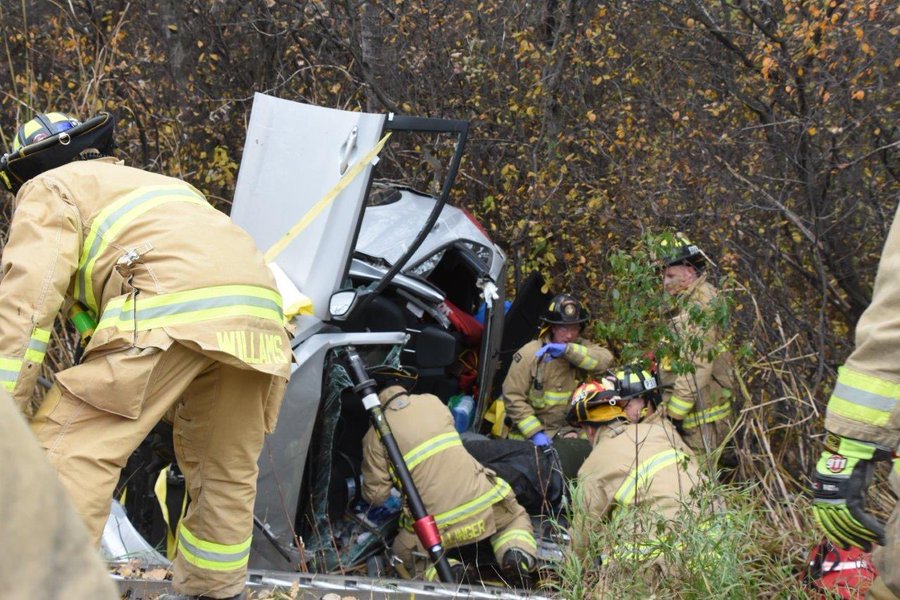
[
  {"x": 473, "y": 507},
  {"x": 710, "y": 415},
  {"x": 514, "y": 535},
  {"x": 864, "y": 398},
  {"x": 431, "y": 447},
  {"x": 160, "y": 488},
  {"x": 529, "y": 425},
  {"x": 110, "y": 222},
  {"x": 545, "y": 398},
  {"x": 9, "y": 371},
  {"x": 210, "y": 555},
  {"x": 643, "y": 474},
  {"x": 431, "y": 572},
  {"x": 678, "y": 408},
  {"x": 37, "y": 345},
  {"x": 582, "y": 359},
  {"x": 557, "y": 398},
  {"x": 851, "y": 410},
  {"x": 191, "y": 306}
]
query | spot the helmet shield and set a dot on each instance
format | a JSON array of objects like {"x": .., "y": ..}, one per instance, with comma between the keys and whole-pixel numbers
[
  {"x": 43, "y": 144},
  {"x": 564, "y": 309}
]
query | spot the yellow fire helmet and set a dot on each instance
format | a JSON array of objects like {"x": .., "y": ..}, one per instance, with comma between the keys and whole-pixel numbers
[
  {"x": 596, "y": 402},
  {"x": 602, "y": 401}
]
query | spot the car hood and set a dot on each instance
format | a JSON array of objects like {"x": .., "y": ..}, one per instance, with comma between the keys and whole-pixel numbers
[{"x": 293, "y": 157}]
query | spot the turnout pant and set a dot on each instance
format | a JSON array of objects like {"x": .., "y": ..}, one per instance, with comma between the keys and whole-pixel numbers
[
  {"x": 219, "y": 414},
  {"x": 513, "y": 530}
]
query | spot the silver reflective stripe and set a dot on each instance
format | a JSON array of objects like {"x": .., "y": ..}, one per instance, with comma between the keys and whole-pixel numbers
[
  {"x": 178, "y": 308},
  {"x": 37, "y": 346},
  {"x": 864, "y": 398},
  {"x": 220, "y": 557}
]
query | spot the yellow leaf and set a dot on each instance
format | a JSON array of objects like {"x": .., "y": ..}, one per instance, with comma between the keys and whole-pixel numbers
[
  {"x": 591, "y": 116},
  {"x": 173, "y": 27},
  {"x": 858, "y": 95},
  {"x": 811, "y": 131}
]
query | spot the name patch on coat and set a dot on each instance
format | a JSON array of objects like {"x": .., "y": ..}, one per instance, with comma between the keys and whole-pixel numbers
[
  {"x": 252, "y": 348},
  {"x": 466, "y": 534}
]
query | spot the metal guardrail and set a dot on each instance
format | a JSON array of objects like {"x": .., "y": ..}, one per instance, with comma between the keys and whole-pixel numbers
[{"x": 317, "y": 586}]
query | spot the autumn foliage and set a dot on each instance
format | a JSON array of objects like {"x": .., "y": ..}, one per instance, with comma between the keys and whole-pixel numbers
[{"x": 765, "y": 130}]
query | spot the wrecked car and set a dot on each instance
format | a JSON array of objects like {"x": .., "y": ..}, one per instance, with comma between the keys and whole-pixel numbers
[{"x": 395, "y": 273}]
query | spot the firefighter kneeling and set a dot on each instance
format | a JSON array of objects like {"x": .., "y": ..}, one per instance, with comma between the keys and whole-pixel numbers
[
  {"x": 638, "y": 458},
  {"x": 469, "y": 502}
]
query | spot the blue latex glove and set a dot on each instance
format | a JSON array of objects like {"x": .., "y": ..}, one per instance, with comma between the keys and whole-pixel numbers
[
  {"x": 550, "y": 351},
  {"x": 540, "y": 439}
]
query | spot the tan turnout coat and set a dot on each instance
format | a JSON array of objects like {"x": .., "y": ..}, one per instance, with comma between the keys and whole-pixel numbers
[
  {"x": 150, "y": 259},
  {"x": 703, "y": 399},
  {"x": 644, "y": 464},
  {"x": 537, "y": 393}
]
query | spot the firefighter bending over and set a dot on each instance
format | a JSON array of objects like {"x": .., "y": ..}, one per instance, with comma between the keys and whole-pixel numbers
[
  {"x": 545, "y": 372},
  {"x": 468, "y": 501},
  {"x": 863, "y": 427},
  {"x": 189, "y": 326},
  {"x": 638, "y": 459}
]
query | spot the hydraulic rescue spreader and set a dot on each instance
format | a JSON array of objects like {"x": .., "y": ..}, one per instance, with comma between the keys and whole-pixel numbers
[{"x": 423, "y": 523}]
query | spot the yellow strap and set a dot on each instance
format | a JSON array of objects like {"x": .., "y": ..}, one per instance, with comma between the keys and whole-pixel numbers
[
  {"x": 160, "y": 488},
  {"x": 319, "y": 206}
]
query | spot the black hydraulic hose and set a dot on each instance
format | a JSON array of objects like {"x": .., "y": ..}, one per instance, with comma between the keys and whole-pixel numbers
[{"x": 424, "y": 524}]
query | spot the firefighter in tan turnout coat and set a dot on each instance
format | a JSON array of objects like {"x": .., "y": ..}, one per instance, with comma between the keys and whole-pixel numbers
[
  {"x": 863, "y": 427},
  {"x": 46, "y": 552},
  {"x": 469, "y": 502},
  {"x": 638, "y": 458},
  {"x": 545, "y": 371},
  {"x": 699, "y": 403},
  {"x": 189, "y": 325}
]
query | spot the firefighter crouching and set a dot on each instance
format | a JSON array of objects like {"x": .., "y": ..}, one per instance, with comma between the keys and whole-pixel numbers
[
  {"x": 545, "y": 371},
  {"x": 468, "y": 501},
  {"x": 189, "y": 326},
  {"x": 638, "y": 459},
  {"x": 862, "y": 425},
  {"x": 698, "y": 403}
]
